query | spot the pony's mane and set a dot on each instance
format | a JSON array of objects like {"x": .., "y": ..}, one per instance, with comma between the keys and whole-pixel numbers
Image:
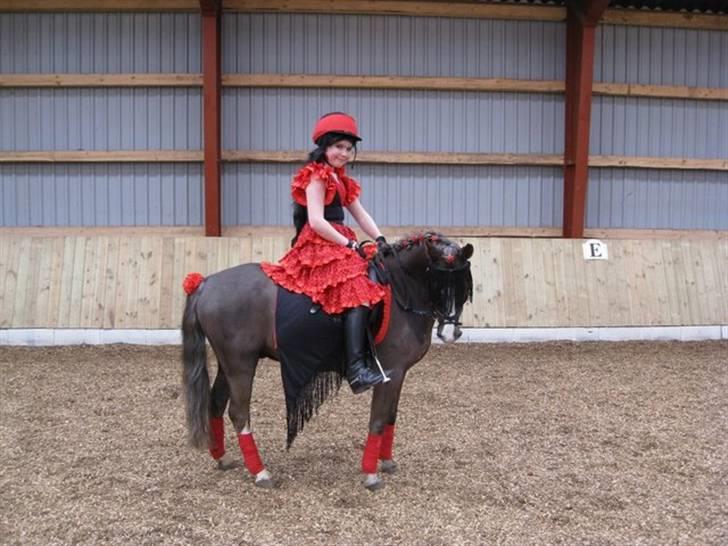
[{"x": 416, "y": 239}]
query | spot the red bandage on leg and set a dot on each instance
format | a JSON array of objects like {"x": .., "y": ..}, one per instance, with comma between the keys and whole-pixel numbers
[
  {"x": 250, "y": 453},
  {"x": 371, "y": 454},
  {"x": 385, "y": 450},
  {"x": 217, "y": 437}
]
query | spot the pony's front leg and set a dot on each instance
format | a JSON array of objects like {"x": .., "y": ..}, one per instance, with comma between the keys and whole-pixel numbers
[{"x": 381, "y": 431}]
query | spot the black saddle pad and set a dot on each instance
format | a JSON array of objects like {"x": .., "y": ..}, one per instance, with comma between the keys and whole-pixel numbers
[{"x": 311, "y": 353}]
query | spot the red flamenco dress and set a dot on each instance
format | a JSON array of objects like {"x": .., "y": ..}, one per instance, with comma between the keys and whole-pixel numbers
[{"x": 332, "y": 275}]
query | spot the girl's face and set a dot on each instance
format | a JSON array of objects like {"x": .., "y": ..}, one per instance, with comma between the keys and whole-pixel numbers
[{"x": 339, "y": 153}]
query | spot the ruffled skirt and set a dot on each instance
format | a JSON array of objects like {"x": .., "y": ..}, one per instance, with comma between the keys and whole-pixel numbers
[{"x": 332, "y": 275}]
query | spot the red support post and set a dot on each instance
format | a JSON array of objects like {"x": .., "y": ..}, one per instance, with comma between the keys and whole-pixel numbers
[
  {"x": 212, "y": 103},
  {"x": 581, "y": 21}
]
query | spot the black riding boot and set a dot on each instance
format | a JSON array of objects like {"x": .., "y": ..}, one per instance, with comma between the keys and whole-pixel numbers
[{"x": 359, "y": 375}]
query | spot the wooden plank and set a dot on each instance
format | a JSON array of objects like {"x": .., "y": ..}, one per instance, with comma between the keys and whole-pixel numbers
[
  {"x": 110, "y": 279},
  {"x": 532, "y": 269},
  {"x": 50, "y": 317},
  {"x": 10, "y": 281},
  {"x": 708, "y": 289},
  {"x": 148, "y": 297},
  {"x": 468, "y": 10},
  {"x": 660, "y": 91},
  {"x": 21, "y": 265},
  {"x": 653, "y": 18},
  {"x": 29, "y": 310},
  {"x": 89, "y": 282},
  {"x": 96, "y": 314},
  {"x": 412, "y": 83},
  {"x": 123, "y": 284},
  {"x": 77, "y": 280},
  {"x": 399, "y": 158},
  {"x": 346, "y": 81},
  {"x": 64, "y": 296},
  {"x": 99, "y": 80},
  {"x": 94, "y": 156},
  {"x": 98, "y": 6},
  {"x": 580, "y": 286},
  {"x": 43, "y": 284},
  {"x": 169, "y": 316},
  {"x": 5, "y": 306},
  {"x": 380, "y": 158},
  {"x": 182, "y": 254},
  {"x": 677, "y": 163},
  {"x": 244, "y": 233}
]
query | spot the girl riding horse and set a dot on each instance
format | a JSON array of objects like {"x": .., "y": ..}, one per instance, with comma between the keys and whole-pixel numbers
[{"x": 324, "y": 262}]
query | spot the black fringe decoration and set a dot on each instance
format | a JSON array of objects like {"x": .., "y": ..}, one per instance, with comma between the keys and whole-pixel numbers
[{"x": 312, "y": 396}]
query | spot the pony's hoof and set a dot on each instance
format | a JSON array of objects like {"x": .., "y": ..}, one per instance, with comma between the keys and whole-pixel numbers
[
  {"x": 388, "y": 466},
  {"x": 227, "y": 464},
  {"x": 264, "y": 480},
  {"x": 373, "y": 483},
  {"x": 265, "y": 483}
]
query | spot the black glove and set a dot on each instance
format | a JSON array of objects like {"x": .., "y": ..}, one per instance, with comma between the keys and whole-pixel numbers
[
  {"x": 383, "y": 246},
  {"x": 352, "y": 245}
]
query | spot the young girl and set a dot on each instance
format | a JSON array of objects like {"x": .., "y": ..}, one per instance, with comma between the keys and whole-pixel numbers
[{"x": 324, "y": 262}]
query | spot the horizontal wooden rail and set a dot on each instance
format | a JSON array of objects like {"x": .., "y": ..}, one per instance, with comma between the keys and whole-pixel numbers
[
  {"x": 256, "y": 231},
  {"x": 380, "y": 158},
  {"x": 402, "y": 158},
  {"x": 100, "y": 80},
  {"x": 464, "y": 10},
  {"x": 94, "y": 156},
  {"x": 334, "y": 81}
]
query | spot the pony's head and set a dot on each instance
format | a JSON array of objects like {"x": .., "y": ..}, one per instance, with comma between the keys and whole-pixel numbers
[{"x": 449, "y": 281}]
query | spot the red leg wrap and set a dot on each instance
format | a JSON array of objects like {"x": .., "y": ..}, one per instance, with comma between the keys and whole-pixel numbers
[
  {"x": 371, "y": 454},
  {"x": 250, "y": 453},
  {"x": 217, "y": 437},
  {"x": 385, "y": 450}
]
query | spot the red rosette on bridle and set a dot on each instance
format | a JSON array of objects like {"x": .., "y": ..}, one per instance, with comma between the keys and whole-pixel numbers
[{"x": 192, "y": 282}]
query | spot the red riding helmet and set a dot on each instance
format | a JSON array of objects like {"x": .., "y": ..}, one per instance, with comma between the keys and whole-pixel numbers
[{"x": 336, "y": 122}]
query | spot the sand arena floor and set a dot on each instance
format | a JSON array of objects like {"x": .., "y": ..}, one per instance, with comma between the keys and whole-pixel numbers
[{"x": 598, "y": 443}]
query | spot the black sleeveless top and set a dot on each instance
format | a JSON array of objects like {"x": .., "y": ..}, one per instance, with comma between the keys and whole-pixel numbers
[{"x": 334, "y": 212}]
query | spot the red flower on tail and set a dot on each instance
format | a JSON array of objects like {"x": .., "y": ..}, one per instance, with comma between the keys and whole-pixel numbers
[{"x": 192, "y": 282}]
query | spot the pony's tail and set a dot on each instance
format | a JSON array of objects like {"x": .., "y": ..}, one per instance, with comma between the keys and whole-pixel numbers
[{"x": 195, "y": 379}]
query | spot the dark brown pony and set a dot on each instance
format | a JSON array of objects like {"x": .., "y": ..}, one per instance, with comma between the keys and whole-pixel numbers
[{"x": 235, "y": 311}]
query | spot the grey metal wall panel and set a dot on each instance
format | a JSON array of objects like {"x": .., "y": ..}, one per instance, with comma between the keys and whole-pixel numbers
[
  {"x": 100, "y": 119},
  {"x": 392, "y": 45},
  {"x": 664, "y": 199},
  {"x": 100, "y": 195},
  {"x": 100, "y": 43},
  {"x": 404, "y": 195},
  {"x": 661, "y": 56},
  {"x": 659, "y": 127},
  {"x": 419, "y": 121}
]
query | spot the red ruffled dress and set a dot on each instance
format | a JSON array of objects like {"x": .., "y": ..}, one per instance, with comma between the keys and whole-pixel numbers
[{"x": 332, "y": 275}]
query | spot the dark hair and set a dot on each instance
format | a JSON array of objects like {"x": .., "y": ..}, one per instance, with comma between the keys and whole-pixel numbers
[{"x": 317, "y": 155}]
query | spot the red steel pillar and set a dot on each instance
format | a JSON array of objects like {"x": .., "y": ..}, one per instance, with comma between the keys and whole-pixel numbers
[
  {"x": 212, "y": 102},
  {"x": 581, "y": 21}
]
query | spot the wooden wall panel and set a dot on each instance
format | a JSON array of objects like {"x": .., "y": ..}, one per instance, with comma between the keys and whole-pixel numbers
[{"x": 135, "y": 282}]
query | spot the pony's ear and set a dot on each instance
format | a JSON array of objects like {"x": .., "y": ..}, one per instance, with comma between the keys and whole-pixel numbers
[{"x": 467, "y": 252}]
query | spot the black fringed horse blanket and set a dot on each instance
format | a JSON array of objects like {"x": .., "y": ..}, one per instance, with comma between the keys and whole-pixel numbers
[{"x": 311, "y": 352}]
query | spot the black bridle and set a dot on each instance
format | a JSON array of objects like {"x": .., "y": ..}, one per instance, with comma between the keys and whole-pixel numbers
[{"x": 440, "y": 279}]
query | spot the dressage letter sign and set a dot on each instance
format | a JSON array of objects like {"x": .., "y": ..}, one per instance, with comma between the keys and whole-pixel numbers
[{"x": 595, "y": 250}]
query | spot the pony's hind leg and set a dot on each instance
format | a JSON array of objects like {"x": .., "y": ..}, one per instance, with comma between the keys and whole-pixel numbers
[
  {"x": 219, "y": 396},
  {"x": 240, "y": 378}
]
